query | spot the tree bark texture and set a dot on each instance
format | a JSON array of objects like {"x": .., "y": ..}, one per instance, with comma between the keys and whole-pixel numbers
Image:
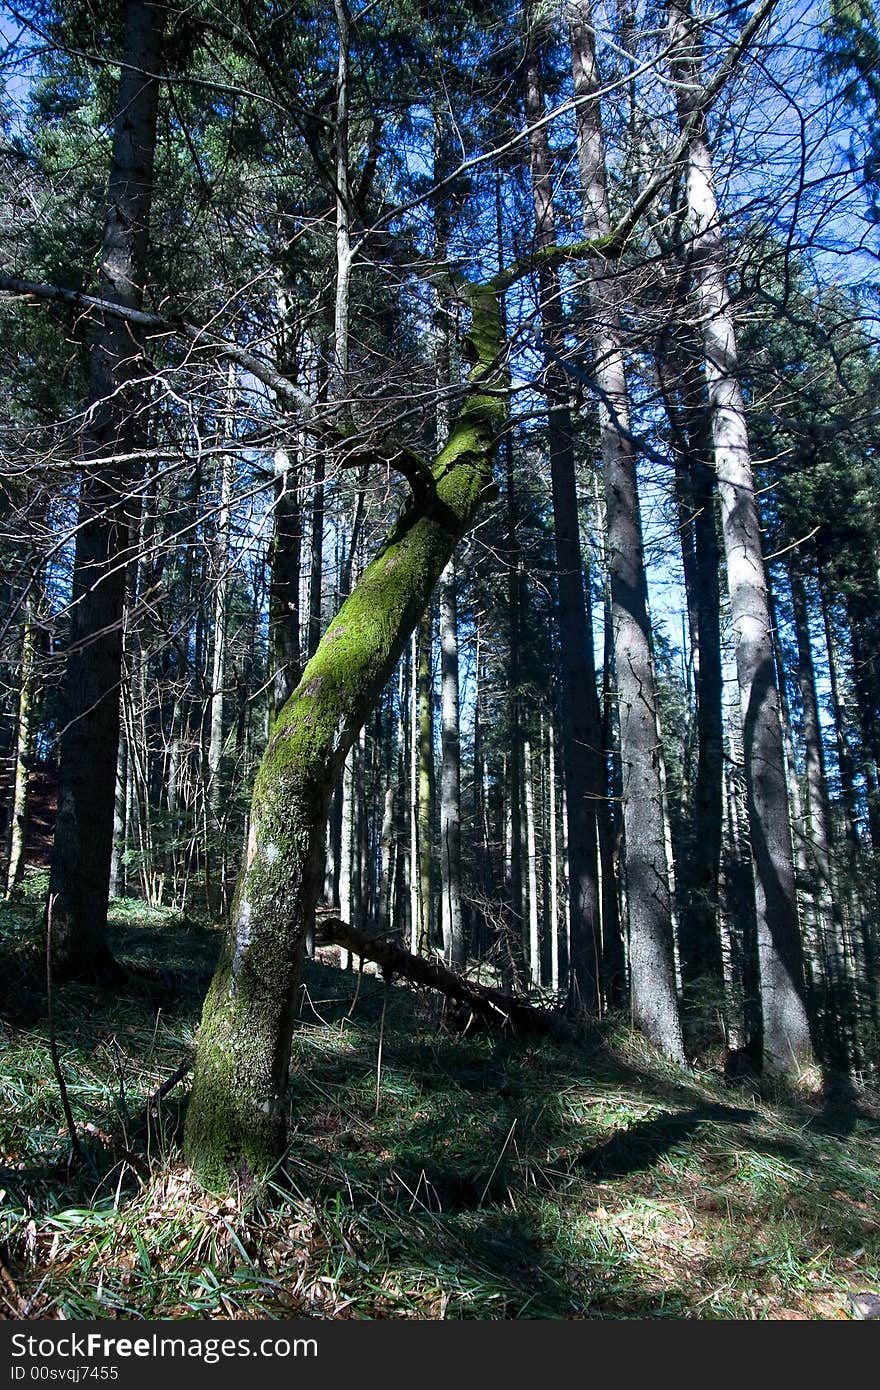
[
  {"x": 80, "y": 873},
  {"x": 237, "y": 1118},
  {"x": 580, "y": 712},
  {"x": 787, "y": 1045},
  {"x": 654, "y": 1003}
]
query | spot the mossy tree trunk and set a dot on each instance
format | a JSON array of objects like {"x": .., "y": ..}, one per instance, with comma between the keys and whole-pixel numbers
[{"x": 237, "y": 1119}]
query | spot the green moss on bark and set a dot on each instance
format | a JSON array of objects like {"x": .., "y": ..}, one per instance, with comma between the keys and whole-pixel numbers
[{"x": 236, "y": 1124}]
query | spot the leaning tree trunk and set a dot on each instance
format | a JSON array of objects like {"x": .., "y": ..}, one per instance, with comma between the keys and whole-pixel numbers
[
  {"x": 80, "y": 874},
  {"x": 652, "y": 974},
  {"x": 786, "y": 1034},
  {"x": 236, "y": 1124}
]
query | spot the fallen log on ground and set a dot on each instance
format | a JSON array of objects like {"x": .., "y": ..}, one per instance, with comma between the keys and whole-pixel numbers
[{"x": 487, "y": 1004}]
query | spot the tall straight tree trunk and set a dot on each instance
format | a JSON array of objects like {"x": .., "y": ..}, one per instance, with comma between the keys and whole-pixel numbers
[
  {"x": 614, "y": 966},
  {"x": 860, "y": 610},
  {"x": 236, "y": 1122},
  {"x": 699, "y": 874},
  {"x": 222, "y": 554},
  {"x": 117, "y": 858},
  {"x": 534, "y": 938},
  {"x": 80, "y": 873},
  {"x": 284, "y": 582},
  {"x": 425, "y": 783},
  {"x": 787, "y": 1046},
  {"x": 515, "y": 614},
  {"x": 316, "y": 555},
  {"x": 23, "y": 743},
  {"x": 581, "y": 740},
  {"x": 654, "y": 1001},
  {"x": 817, "y": 821},
  {"x": 553, "y": 891},
  {"x": 861, "y": 927},
  {"x": 450, "y": 776},
  {"x": 846, "y": 770},
  {"x": 452, "y": 921},
  {"x": 343, "y": 200},
  {"x": 814, "y": 964}
]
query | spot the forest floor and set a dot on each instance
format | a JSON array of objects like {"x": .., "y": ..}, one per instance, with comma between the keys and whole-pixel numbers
[{"x": 468, "y": 1177}]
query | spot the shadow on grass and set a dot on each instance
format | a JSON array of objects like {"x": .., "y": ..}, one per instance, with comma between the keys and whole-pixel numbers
[
  {"x": 645, "y": 1143},
  {"x": 474, "y": 1139}
]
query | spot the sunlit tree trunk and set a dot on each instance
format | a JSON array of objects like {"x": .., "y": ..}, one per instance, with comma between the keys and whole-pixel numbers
[
  {"x": 787, "y": 1045},
  {"x": 425, "y": 784},
  {"x": 23, "y": 744},
  {"x": 534, "y": 938},
  {"x": 654, "y": 1002}
]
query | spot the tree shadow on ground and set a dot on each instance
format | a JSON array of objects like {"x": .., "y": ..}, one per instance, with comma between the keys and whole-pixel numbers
[
  {"x": 643, "y": 1144},
  {"x": 469, "y": 1131}
]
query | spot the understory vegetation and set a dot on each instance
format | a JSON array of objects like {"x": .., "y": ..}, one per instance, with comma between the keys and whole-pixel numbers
[{"x": 466, "y": 1176}]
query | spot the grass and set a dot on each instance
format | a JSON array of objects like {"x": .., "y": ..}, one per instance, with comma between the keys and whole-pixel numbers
[{"x": 495, "y": 1181}]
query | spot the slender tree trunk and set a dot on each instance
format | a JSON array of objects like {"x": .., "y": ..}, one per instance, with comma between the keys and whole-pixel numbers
[
  {"x": 701, "y": 962},
  {"x": 654, "y": 1001},
  {"x": 117, "y": 858},
  {"x": 284, "y": 582},
  {"x": 554, "y": 859},
  {"x": 786, "y": 1036},
  {"x": 414, "y": 897},
  {"x": 845, "y": 767},
  {"x": 80, "y": 874},
  {"x": 425, "y": 785},
  {"x": 23, "y": 742},
  {"x": 859, "y": 611},
  {"x": 863, "y": 946},
  {"x": 515, "y": 612},
  {"x": 817, "y": 823},
  {"x": 450, "y": 776},
  {"x": 222, "y": 554},
  {"x": 236, "y": 1123},
  {"x": 534, "y": 941},
  {"x": 316, "y": 555},
  {"x": 814, "y": 965},
  {"x": 384, "y": 915},
  {"x": 343, "y": 199},
  {"x": 580, "y": 711}
]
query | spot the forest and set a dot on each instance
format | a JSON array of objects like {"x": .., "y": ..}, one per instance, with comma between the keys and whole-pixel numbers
[{"x": 439, "y": 659}]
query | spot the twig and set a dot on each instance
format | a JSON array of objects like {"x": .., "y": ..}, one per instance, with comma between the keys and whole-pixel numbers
[
  {"x": 133, "y": 1160},
  {"x": 381, "y": 1041},
  {"x": 162, "y": 1091},
  {"x": 15, "y": 1300},
  {"x": 497, "y": 1162},
  {"x": 53, "y": 1046}
]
